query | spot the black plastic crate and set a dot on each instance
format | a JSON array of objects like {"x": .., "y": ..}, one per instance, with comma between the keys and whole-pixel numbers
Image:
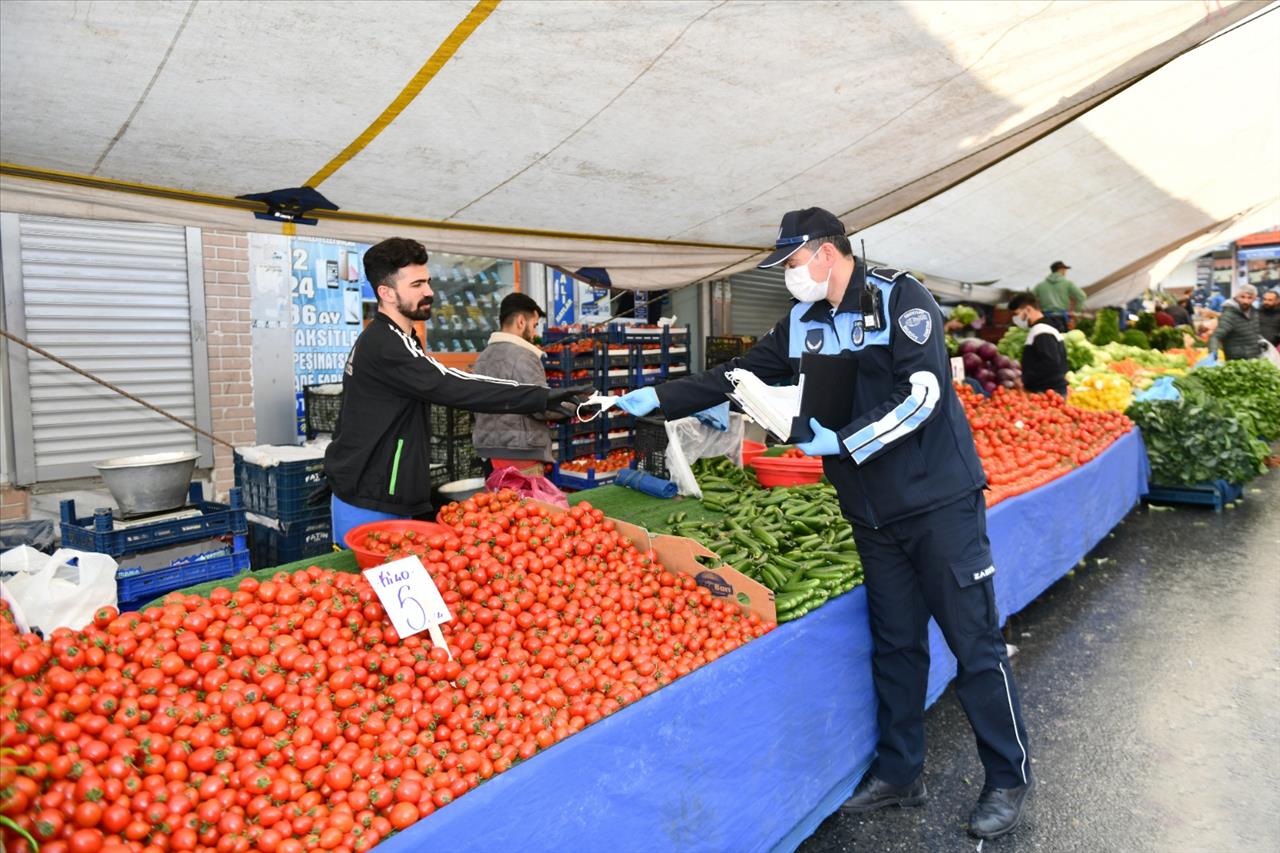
[
  {"x": 449, "y": 424},
  {"x": 720, "y": 349},
  {"x": 651, "y": 445},
  {"x": 280, "y": 491},
  {"x": 321, "y": 405},
  {"x": 98, "y": 533},
  {"x": 295, "y": 541},
  {"x": 457, "y": 456}
]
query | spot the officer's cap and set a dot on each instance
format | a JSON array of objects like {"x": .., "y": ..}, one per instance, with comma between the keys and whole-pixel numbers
[{"x": 799, "y": 227}]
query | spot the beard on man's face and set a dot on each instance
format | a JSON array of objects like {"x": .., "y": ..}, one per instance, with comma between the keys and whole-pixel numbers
[{"x": 420, "y": 311}]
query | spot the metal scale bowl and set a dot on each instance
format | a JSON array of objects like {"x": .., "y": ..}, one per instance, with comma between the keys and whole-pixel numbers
[{"x": 150, "y": 483}]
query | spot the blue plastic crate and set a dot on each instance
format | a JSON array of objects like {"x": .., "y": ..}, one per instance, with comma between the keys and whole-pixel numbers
[
  {"x": 98, "y": 533},
  {"x": 281, "y": 491},
  {"x": 135, "y": 587},
  {"x": 621, "y": 442},
  {"x": 1217, "y": 494},
  {"x": 575, "y": 482},
  {"x": 295, "y": 541}
]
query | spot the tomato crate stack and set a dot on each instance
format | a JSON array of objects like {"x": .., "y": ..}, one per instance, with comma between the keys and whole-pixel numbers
[
  {"x": 161, "y": 552},
  {"x": 288, "y": 512}
]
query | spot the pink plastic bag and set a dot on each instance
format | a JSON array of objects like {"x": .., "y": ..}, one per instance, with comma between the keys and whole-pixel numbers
[{"x": 539, "y": 488}]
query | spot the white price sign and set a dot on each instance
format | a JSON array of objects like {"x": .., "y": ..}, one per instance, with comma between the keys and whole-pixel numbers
[
  {"x": 957, "y": 369},
  {"x": 410, "y": 597}
]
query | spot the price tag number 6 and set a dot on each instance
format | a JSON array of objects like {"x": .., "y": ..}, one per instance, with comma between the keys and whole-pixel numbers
[{"x": 404, "y": 599}]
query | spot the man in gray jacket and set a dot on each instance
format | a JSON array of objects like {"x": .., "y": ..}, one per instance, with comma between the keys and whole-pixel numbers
[
  {"x": 510, "y": 440},
  {"x": 1237, "y": 332}
]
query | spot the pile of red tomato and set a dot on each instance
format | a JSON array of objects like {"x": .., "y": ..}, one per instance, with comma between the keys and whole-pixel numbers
[
  {"x": 794, "y": 453},
  {"x": 288, "y": 714},
  {"x": 1025, "y": 440},
  {"x": 615, "y": 461}
]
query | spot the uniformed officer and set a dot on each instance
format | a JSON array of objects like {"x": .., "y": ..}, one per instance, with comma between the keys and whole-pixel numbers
[{"x": 910, "y": 483}]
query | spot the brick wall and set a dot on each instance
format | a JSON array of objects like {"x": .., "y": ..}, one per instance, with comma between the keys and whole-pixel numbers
[
  {"x": 14, "y": 503},
  {"x": 226, "y": 299}
]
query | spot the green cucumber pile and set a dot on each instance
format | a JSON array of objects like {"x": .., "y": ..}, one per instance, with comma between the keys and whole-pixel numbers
[{"x": 793, "y": 540}]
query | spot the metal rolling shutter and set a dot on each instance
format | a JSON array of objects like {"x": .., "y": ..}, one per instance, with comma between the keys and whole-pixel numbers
[
  {"x": 757, "y": 300},
  {"x": 115, "y": 299}
]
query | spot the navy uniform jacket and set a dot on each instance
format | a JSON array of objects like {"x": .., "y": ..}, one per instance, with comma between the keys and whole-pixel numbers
[{"x": 907, "y": 447}]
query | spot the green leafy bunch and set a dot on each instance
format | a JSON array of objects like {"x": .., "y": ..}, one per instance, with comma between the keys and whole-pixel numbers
[
  {"x": 1249, "y": 388},
  {"x": 1106, "y": 328},
  {"x": 1197, "y": 441},
  {"x": 1012, "y": 343},
  {"x": 1135, "y": 338}
]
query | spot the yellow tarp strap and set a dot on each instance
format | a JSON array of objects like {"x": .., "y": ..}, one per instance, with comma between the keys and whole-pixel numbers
[{"x": 443, "y": 54}]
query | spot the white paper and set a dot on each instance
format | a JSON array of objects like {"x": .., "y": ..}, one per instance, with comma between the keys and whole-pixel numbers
[{"x": 409, "y": 596}]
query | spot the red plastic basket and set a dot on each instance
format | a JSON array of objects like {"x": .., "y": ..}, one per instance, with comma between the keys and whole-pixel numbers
[
  {"x": 773, "y": 471},
  {"x": 367, "y": 559},
  {"x": 751, "y": 450}
]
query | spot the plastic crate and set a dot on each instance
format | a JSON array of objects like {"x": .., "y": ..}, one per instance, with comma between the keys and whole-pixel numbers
[
  {"x": 98, "y": 533},
  {"x": 280, "y": 491},
  {"x": 576, "y": 482},
  {"x": 269, "y": 547},
  {"x": 449, "y": 423},
  {"x": 721, "y": 349},
  {"x": 651, "y": 445},
  {"x": 458, "y": 458},
  {"x": 1217, "y": 494},
  {"x": 579, "y": 446},
  {"x": 321, "y": 405},
  {"x": 135, "y": 587},
  {"x": 616, "y": 440}
]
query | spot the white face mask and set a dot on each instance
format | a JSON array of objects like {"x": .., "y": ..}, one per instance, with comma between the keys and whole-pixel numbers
[
  {"x": 1021, "y": 322},
  {"x": 804, "y": 286}
]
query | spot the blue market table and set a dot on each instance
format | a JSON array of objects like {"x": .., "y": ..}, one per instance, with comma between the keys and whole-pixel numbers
[{"x": 755, "y": 750}]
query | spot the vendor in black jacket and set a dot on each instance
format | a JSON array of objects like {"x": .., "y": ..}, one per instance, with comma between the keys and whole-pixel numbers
[
  {"x": 1044, "y": 356},
  {"x": 910, "y": 483},
  {"x": 378, "y": 464}
]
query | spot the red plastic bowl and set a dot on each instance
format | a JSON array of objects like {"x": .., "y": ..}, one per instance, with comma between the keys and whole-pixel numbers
[
  {"x": 750, "y": 451},
  {"x": 774, "y": 471},
  {"x": 367, "y": 559}
]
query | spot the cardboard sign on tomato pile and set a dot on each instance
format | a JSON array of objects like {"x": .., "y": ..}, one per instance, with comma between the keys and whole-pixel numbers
[{"x": 410, "y": 597}]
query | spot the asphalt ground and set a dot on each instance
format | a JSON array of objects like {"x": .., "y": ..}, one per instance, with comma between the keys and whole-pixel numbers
[{"x": 1150, "y": 683}]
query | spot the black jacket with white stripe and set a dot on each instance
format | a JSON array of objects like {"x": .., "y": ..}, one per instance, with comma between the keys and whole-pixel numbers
[
  {"x": 381, "y": 451},
  {"x": 907, "y": 447}
]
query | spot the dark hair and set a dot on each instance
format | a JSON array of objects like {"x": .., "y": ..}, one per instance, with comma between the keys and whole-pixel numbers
[
  {"x": 840, "y": 241},
  {"x": 517, "y": 303},
  {"x": 1021, "y": 300},
  {"x": 1058, "y": 265},
  {"x": 383, "y": 261}
]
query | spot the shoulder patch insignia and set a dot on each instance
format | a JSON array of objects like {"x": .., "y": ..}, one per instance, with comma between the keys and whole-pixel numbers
[{"x": 916, "y": 324}]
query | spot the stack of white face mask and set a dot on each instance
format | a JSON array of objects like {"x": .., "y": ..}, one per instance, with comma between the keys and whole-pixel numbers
[{"x": 774, "y": 408}]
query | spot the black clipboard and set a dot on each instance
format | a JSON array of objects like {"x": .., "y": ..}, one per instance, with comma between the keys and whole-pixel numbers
[{"x": 829, "y": 383}]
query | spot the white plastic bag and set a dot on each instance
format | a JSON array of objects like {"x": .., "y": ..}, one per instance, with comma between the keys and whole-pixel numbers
[
  {"x": 1270, "y": 353},
  {"x": 63, "y": 590},
  {"x": 689, "y": 440}
]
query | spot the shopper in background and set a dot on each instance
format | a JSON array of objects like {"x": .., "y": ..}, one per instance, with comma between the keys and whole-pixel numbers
[
  {"x": 911, "y": 485},
  {"x": 1058, "y": 296},
  {"x": 1044, "y": 356},
  {"x": 1237, "y": 332},
  {"x": 513, "y": 440},
  {"x": 1179, "y": 311},
  {"x": 378, "y": 464},
  {"x": 1269, "y": 316}
]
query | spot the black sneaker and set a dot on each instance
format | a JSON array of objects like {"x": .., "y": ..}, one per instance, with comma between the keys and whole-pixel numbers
[
  {"x": 999, "y": 810},
  {"x": 873, "y": 793}
]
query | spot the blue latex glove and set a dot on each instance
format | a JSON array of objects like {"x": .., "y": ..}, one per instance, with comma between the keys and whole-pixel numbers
[
  {"x": 716, "y": 417},
  {"x": 825, "y": 442},
  {"x": 639, "y": 402}
]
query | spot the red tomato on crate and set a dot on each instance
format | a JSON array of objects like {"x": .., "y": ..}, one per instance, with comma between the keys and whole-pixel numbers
[{"x": 287, "y": 714}]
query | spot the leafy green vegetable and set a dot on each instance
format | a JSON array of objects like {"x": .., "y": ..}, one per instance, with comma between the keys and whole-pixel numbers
[
  {"x": 1191, "y": 442},
  {"x": 1079, "y": 352},
  {"x": 953, "y": 345},
  {"x": 1146, "y": 323},
  {"x": 963, "y": 314},
  {"x": 1135, "y": 338},
  {"x": 1106, "y": 329},
  {"x": 1249, "y": 388},
  {"x": 1166, "y": 337},
  {"x": 1086, "y": 325},
  {"x": 1012, "y": 343}
]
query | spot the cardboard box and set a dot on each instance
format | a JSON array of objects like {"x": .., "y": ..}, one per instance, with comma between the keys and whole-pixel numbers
[{"x": 678, "y": 554}]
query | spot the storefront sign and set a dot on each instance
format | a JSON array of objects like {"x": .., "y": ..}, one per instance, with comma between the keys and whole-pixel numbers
[
  {"x": 325, "y": 284},
  {"x": 563, "y": 299}
]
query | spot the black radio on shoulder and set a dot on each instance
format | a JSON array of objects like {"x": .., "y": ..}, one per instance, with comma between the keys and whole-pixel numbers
[{"x": 872, "y": 301}]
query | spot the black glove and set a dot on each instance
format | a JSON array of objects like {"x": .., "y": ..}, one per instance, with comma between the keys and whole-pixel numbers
[{"x": 565, "y": 400}]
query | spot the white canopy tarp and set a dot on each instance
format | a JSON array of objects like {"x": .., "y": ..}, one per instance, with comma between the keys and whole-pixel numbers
[{"x": 660, "y": 140}]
